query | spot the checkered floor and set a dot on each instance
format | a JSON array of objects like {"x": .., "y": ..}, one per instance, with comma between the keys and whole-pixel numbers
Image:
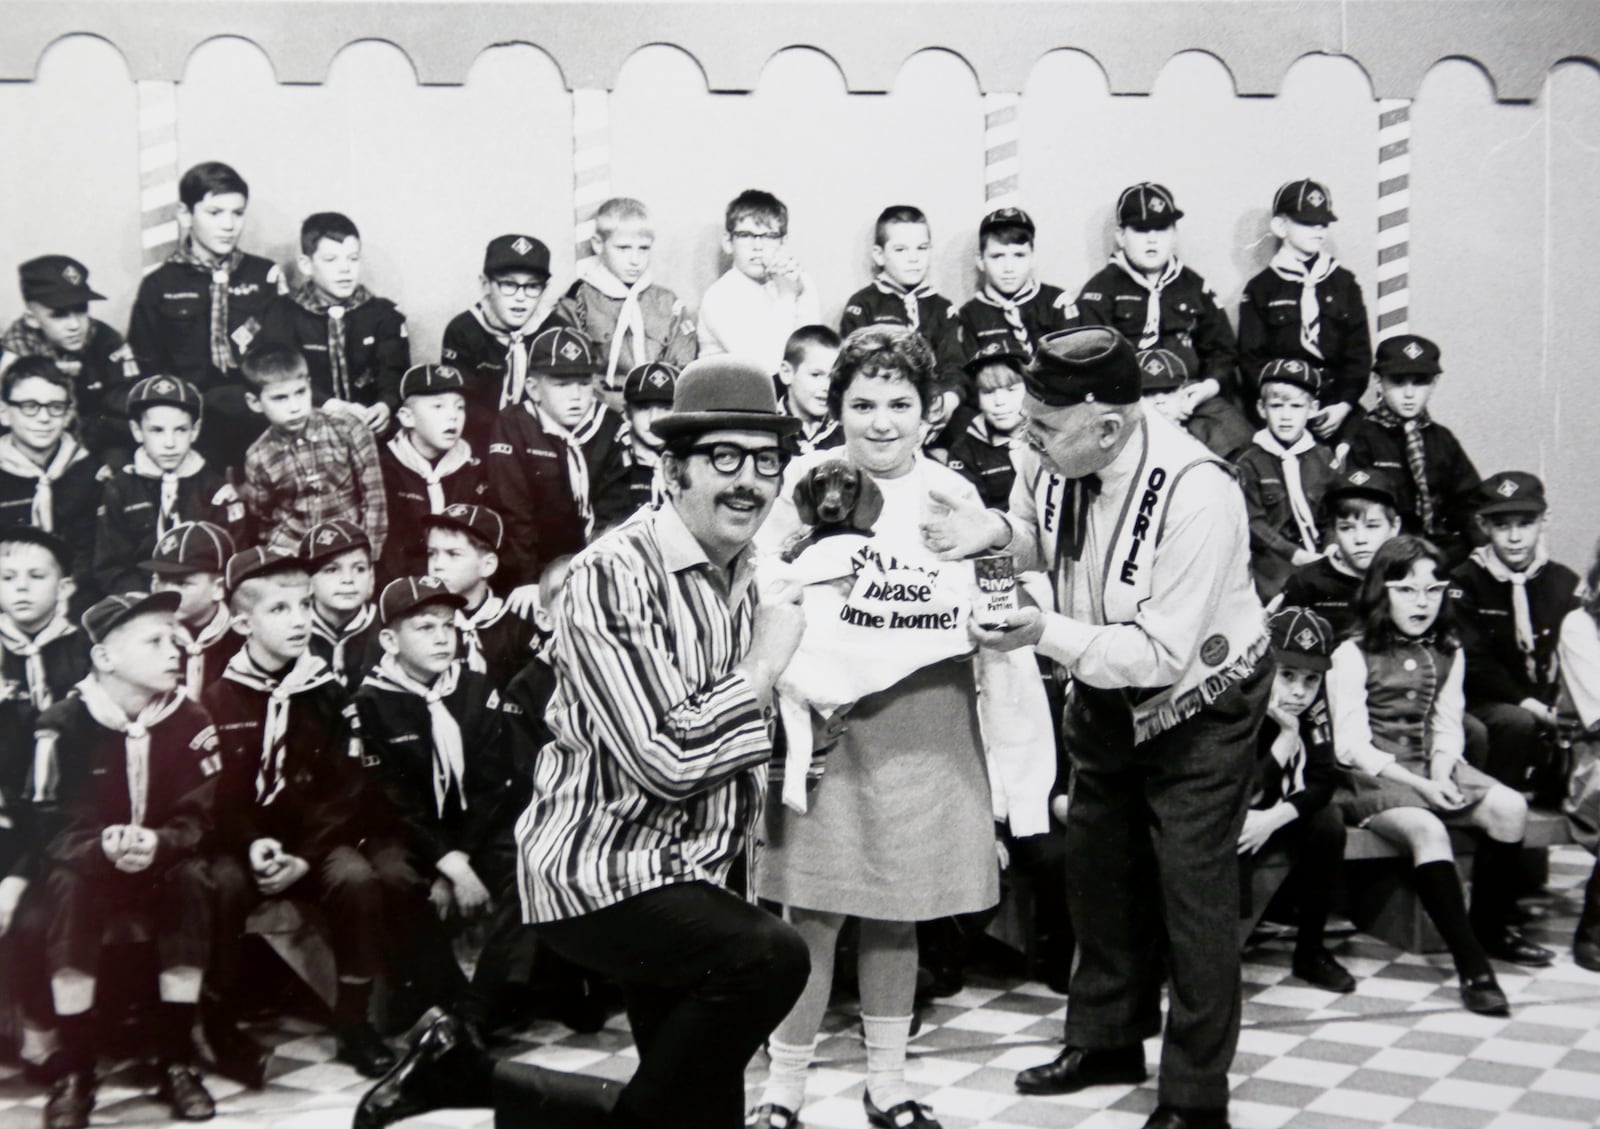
[{"x": 1400, "y": 1051}]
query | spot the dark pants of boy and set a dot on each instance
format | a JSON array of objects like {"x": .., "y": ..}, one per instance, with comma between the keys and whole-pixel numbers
[
  {"x": 417, "y": 948},
  {"x": 1153, "y": 881},
  {"x": 496, "y": 866},
  {"x": 706, "y": 977},
  {"x": 1516, "y": 748},
  {"x": 1315, "y": 846}
]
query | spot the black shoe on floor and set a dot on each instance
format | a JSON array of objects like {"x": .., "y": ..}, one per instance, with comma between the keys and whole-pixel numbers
[
  {"x": 429, "y": 1077},
  {"x": 1586, "y": 954},
  {"x": 1182, "y": 1117},
  {"x": 1483, "y": 995},
  {"x": 182, "y": 1089},
  {"x": 361, "y": 1047},
  {"x": 771, "y": 1115},
  {"x": 901, "y": 1115},
  {"x": 71, "y": 1100},
  {"x": 235, "y": 1054},
  {"x": 1509, "y": 944},
  {"x": 1076, "y": 1068},
  {"x": 1319, "y": 968}
]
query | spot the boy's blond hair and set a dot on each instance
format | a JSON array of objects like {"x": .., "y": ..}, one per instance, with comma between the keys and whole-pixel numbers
[{"x": 620, "y": 210}]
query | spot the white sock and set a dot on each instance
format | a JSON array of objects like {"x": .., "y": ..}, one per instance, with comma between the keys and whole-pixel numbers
[
  {"x": 886, "y": 1059},
  {"x": 786, "y": 1077}
]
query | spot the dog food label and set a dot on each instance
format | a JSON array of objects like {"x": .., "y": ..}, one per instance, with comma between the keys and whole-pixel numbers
[{"x": 996, "y": 595}]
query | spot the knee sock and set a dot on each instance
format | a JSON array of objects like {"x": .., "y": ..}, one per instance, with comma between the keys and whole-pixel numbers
[
  {"x": 1439, "y": 891},
  {"x": 786, "y": 1079},
  {"x": 1589, "y": 921},
  {"x": 1495, "y": 870},
  {"x": 177, "y": 1032},
  {"x": 79, "y": 1049},
  {"x": 886, "y": 1058},
  {"x": 350, "y": 1010}
]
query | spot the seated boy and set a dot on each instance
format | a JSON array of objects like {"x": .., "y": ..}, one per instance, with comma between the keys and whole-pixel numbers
[
  {"x": 488, "y": 344},
  {"x": 166, "y": 484},
  {"x": 1434, "y": 479},
  {"x": 427, "y": 465},
  {"x": 1306, "y": 306},
  {"x": 198, "y": 312},
  {"x": 983, "y": 452},
  {"x": 1284, "y": 473},
  {"x": 47, "y": 478},
  {"x": 647, "y": 396},
  {"x": 190, "y": 560},
  {"x": 1010, "y": 305},
  {"x": 42, "y": 652},
  {"x": 463, "y": 546},
  {"x": 1359, "y": 511},
  {"x": 433, "y": 735},
  {"x": 124, "y": 782},
  {"x": 55, "y": 323},
  {"x": 803, "y": 387},
  {"x": 629, "y": 319},
  {"x": 355, "y": 344},
  {"x": 344, "y": 618},
  {"x": 288, "y": 809},
  {"x": 1510, "y": 600},
  {"x": 765, "y": 296},
  {"x": 1164, "y": 381},
  {"x": 555, "y": 466},
  {"x": 310, "y": 465},
  {"x": 1294, "y": 778}
]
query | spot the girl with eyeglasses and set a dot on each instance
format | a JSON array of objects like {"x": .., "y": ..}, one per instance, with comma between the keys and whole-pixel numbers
[{"x": 1395, "y": 691}]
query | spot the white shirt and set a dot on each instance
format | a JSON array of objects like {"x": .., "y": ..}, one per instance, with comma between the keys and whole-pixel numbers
[{"x": 753, "y": 320}]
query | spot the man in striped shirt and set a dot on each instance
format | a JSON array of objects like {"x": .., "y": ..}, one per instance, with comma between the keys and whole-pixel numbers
[{"x": 651, "y": 789}]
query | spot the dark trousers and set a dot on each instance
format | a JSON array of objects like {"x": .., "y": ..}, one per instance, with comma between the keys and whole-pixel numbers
[
  {"x": 1315, "y": 846},
  {"x": 706, "y": 977},
  {"x": 79, "y": 905},
  {"x": 1153, "y": 881},
  {"x": 1515, "y": 748}
]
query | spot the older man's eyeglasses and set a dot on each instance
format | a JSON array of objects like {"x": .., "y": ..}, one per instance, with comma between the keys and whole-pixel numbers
[{"x": 728, "y": 458}]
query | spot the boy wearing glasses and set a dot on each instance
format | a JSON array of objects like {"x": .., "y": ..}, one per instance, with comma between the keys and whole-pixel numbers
[
  {"x": 47, "y": 478},
  {"x": 765, "y": 296},
  {"x": 489, "y": 343}
]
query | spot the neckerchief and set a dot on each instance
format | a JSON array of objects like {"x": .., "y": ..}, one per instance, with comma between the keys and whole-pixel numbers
[
  {"x": 515, "y": 381},
  {"x": 1290, "y": 752},
  {"x": 31, "y": 649},
  {"x": 1011, "y": 307},
  {"x": 194, "y": 649},
  {"x": 485, "y": 615},
  {"x": 432, "y": 474},
  {"x": 911, "y": 298},
  {"x": 641, "y": 454},
  {"x": 145, "y": 467},
  {"x": 220, "y": 271},
  {"x": 577, "y": 466},
  {"x": 811, "y": 433},
  {"x": 306, "y": 673},
  {"x": 69, "y": 453},
  {"x": 312, "y": 300},
  {"x": 1152, "y": 306},
  {"x": 979, "y": 429},
  {"x": 1521, "y": 614},
  {"x": 449, "y": 763},
  {"x": 1286, "y": 264},
  {"x": 135, "y": 737},
  {"x": 630, "y": 319},
  {"x": 1416, "y": 455},
  {"x": 1304, "y": 519},
  {"x": 337, "y": 637}
]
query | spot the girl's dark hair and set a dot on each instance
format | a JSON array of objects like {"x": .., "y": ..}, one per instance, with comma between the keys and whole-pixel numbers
[
  {"x": 887, "y": 352},
  {"x": 1393, "y": 561}
]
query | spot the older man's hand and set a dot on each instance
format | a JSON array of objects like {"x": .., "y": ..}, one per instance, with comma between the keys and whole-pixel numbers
[{"x": 1021, "y": 628}]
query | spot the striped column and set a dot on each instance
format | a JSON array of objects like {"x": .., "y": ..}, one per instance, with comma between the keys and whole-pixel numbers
[
  {"x": 1394, "y": 216},
  {"x": 591, "y": 163},
  {"x": 1001, "y": 168},
  {"x": 158, "y": 171}
]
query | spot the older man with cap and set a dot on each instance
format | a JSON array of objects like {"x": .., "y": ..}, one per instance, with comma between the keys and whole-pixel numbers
[
  {"x": 665, "y": 662},
  {"x": 1145, "y": 537}
]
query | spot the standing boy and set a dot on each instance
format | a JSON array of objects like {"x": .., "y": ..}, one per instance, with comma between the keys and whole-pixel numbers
[
  {"x": 463, "y": 544},
  {"x": 42, "y": 652},
  {"x": 765, "y": 296},
  {"x": 1010, "y": 302},
  {"x": 803, "y": 387},
  {"x": 190, "y": 561},
  {"x": 344, "y": 618}
]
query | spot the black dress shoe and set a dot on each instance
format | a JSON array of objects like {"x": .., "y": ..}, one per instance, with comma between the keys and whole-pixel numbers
[
  {"x": 1509, "y": 944},
  {"x": 182, "y": 1089},
  {"x": 1319, "y": 968},
  {"x": 235, "y": 1054},
  {"x": 1482, "y": 994},
  {"x": 1075, "y": 1068},
  {"x": 771, "y": 1115},
  {"x": 1183, "y": 1117},
  {"x": 360, "y": 1046},
  {"x": 71, "y": 1099},
  {"x": 901, "y": 1115},
  {"x": 1586, "y": 954},
  {"x": 441, "y": 1069}
]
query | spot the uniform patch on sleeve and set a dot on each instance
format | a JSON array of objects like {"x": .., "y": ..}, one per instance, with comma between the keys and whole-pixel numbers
[
  {"x": 494, "y": 700},
  {"x": 1063, "y": 302},
  {"x": 856, "y": 310},
  {"x": 1070, "y": 310},
  {"x": 448, "y": 354},
  {"x": 211, "y": 765},
  {"x": 500, "y": 448},
  {"x": 205, "y": 740},
  {"x": 245, "y": 334}
]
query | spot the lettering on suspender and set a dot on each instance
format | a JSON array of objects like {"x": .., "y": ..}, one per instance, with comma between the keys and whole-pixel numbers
[{"x": 1141, "y": 522}]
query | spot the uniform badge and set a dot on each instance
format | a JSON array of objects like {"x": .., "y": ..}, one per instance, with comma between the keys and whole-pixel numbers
[
  {"x": 571, "y": 351},
  {"x": 1412, "y": 350},
  {"x": 1360, "y": 478},
  {"x": 1158, "y": 205},
  {"x": 1307, "y": 639},
  {"x": 521, "y": 246},
  {"x": 163, "y": 386},
  {"x": 72, "y": 274},
  {"x": 1214, "y": 650},
  {"x": 1153, "y": 367},
  {"x": 658, "y": 378},
  {"x": 1315, "y": 198},
  {"x": 327, "y": 537},
  {"x": 1506, "y": 488}
]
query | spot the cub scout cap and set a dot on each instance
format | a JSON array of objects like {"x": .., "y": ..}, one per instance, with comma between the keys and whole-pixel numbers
[
  {"x": 112, "y": 612},
  {"x": 1088, "y": 365},
  {"x": 33, "y": 535},
  {"x": 510, "y": 253},
  {"x": 1361, "y": 482},
  {"x": 1304, "y": 201},
  {"x": 402, "y": 597},
  {"x": 1007, "y": 352},
  {"x": 651, "y": 383},
  {"x": 260, "y": 561},
  {"x": 1161, "y": 370},
  {"x": 1510, "y": 492},
  {"x": 1301, "y": 637},
  {"x": 479, "y": 522},
  {"x": 1006, "y": 217},
  {"x": 430, "y": 380},
  {"x": 194, "y": 546},
  {"x": 1147, "y": 207},
  {"x": 1288, "y": 370},
  {"x": 153, "y": 390},
  {"x": 1407, "y": 355},
  {"x": 56, "y": 281},
  {"x": 330, "y": 539},
  {"x": 561, "y": 352}
]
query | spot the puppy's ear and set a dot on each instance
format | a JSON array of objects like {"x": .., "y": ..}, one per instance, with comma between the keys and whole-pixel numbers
[
  {"x": 805, "y": 500},
  {"x": 869, "y": 503}
]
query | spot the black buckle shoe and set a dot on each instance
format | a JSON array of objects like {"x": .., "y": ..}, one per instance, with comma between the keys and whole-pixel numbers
[
  {"x": 1482, "y": 994},
  {"x": 1076, "y": 1068},
  {"x": 1319, "y": 968},
  {"x": 360, "y": 1046},
  {"x": 1182, "y": 1117},
  {"x": 71, "y": 1100},
  {"x": 771, "y": 1115},
  {"x": 1509, "y": 944},
  {"x": 418, "y": 1083},
  {"x": 901, "y": 1115},
  {"x": 182, "y": 1089}
]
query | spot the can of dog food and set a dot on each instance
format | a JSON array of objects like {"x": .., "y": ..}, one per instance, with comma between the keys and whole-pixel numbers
[{"x": 996, "y": 596}]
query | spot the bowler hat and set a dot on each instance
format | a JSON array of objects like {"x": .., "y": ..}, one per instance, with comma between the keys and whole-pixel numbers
[{"x": 722, "y": 393}]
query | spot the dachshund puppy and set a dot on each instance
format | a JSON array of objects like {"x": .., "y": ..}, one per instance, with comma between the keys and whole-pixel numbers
[{"x": 833, "y": 497}]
